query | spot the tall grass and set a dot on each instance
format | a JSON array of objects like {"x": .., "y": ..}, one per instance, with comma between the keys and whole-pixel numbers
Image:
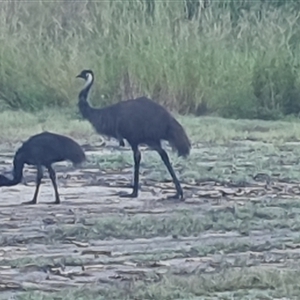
[{"x": 236, "y": 61}]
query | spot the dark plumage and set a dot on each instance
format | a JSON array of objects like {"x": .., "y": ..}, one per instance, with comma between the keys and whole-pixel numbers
[
  {"x": 43, "y": 149},
  {"x": 139, "y": 121}
]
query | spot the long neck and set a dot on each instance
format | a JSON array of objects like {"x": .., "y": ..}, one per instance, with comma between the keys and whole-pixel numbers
[
  {"x": 101, "y": 118},
  {"x": 17, "y": 172},
  {"x": 83, "y": 104}
]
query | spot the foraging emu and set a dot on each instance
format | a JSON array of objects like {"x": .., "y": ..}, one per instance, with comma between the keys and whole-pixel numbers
[
  {"x": 139, "y": 121},
  {"x": 42, "y": 150}
]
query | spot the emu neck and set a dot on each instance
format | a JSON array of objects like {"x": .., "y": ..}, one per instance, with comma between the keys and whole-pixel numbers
[
  {"x": 84, "y": 108},
  {"x": 17, "y": 172},
  {"x": 18, "y": 168},
  {"x": 83, "y": 104},
  {"x": 102, "y": 119}
]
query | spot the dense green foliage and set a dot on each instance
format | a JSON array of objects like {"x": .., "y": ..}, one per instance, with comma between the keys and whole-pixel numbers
[{"x": 236, "y": 58}]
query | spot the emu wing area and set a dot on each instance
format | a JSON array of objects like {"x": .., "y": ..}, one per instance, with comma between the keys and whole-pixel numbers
[
  {"x": 142, "y": 121},
  {"x": 44, "y": 149}
]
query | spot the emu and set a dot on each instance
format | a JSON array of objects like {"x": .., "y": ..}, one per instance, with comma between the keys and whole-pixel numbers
[
  {"x": 139, "y": 121},
  {"x": 43, "y": 149}
]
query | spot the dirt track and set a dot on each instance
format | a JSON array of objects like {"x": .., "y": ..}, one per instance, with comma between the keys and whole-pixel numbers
[{"x": 32, "y": 257}]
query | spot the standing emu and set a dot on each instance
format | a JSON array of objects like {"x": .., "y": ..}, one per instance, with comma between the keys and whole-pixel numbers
[
  {"x": 139, "y": 121},
  {"x": 42, "y": 150}
]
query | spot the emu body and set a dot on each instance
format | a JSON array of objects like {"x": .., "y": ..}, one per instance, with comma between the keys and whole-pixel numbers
[
  {"x": 40, "y": 150},
  {"x": 139, "y": 121}
]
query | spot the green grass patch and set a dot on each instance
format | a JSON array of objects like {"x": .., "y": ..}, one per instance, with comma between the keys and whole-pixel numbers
[
  {"x": 180, "y": 224},
  {"x": 20, "y": 125},
  {"x": 242, "y": 283}
]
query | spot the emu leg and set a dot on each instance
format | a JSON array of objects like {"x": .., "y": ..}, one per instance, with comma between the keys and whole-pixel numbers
[
  {"x": 53, "y": 179},
  {"x": 165, "y": 158},
  {"x": 137, "y": 160},
  {"x": 121, "y": 142},
  {"x": 39, "y": 177}
]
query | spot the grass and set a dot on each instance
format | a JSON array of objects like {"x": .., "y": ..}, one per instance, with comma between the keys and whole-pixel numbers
[
  {"x": 253, "y": 217},
  {"x": 20, "y": 125},
  {"x": 230, "y": 284},
  {"x": 244, "y": 220},
  {"x": 236, "y": 58},
  {"x": 234, "y": 254},
  {"x": 254, "y": 146},
  {"x": 248, "y": 245}
]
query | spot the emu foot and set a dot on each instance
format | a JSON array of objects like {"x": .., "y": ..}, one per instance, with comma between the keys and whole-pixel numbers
[
  {"x": 177, "y": 196},
  {"x": 55, "y": 202},
  {"x": 33, "y": 201},
  {"x": 127, "y": 195}
]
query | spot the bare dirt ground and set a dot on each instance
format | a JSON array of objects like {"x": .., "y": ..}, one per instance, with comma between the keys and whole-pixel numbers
[{"x": 96, "y": 238}]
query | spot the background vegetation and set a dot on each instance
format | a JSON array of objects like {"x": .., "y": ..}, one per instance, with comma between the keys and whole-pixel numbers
[{"x": 234, "y": 58}]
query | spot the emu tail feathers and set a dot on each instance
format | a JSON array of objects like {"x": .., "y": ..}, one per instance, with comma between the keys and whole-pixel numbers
[
  {"x": 178, "y": 138},
  {"x": 17, "y": 172}
]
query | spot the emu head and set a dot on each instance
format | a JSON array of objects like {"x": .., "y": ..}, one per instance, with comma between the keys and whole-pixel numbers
[
  {"x": 4, "y": 180},
  {"x": 87, "y": 75}
]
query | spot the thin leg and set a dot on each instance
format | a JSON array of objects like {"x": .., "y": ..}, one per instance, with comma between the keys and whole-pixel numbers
[
  {"x": 137, "y": 160},
  {"x": 39, "y": 177},
  {"x": 53, "y": 179},
  {"x": 120, "y": 139},
  {"x": 165, "y": 158},
  {"x": 121, "y": 143}
]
